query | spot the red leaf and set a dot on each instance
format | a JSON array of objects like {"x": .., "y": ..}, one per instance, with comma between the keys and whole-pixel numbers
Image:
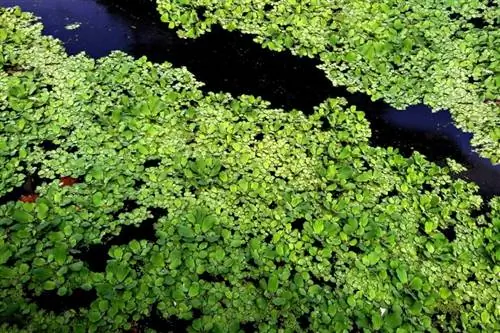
[
  {"x": 68, "y": 181},
  {"x": 29, "y": 198}
]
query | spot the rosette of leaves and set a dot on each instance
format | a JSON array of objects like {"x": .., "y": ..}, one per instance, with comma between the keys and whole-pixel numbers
[
  {"x": 261, "y": 218},
  {"x": 442, "y": 54}
]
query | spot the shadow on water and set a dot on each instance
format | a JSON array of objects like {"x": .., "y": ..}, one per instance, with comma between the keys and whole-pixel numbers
[{"x": 232, "y": 62}]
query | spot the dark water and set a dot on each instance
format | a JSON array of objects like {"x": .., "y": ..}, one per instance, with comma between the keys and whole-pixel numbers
[{"x": 232, "y": 62}]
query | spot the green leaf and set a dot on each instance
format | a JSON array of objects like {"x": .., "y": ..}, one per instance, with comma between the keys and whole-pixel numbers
[
  {"x": 49, "y": 285},
  {"x": 158, "y": 260},
  {"x": 272, "y": 283},
  {"x": 120, "y": 271},
  {"x": 41, "y": 274},
  {"x": 135, "y": 246},
  {"x": 416, "y": 283},
  {"x": 5, "y": 254},
  {"x": 485, "y": 317},
  {"x": 280, "y": 301},
  {"x": 393, "y": 319},
  {"x": 116, "y": 115},
  {"x": 371, "y": 259},
  {"x": 429, "y": 227},
  {"x": 194, "y": 290},
  {"x": 60, "y": 254},
  {"x": 351, "y": 226},
  {"x": 42, "y": 210},
  {"x": 364, "y": 177},
  {"x": 116, "y": 252},
  {"x": 185, "y": 231},
  {"x": 318, "y": 226},
  {"x": 208, "y": 223},
  {"x": 219, "y": 254},
  {"x": 254, "y": 244},
  {"x": 77, "y": 266},
  {"x": 350, "y": 57},
  {"x": 175, "y": 259},
  {"x": 103, "y": 305},
  {"x": 377, "y": 321},
  {"x": 164, "y": 18},
  {"x": 177, "y": 294},
  {"x": 416, "y": 308},
  {"x": 331, "y": 172},
  {"x": 94, "y": 316},
  {"x": 3, "y": 35},
  {"x": 345, "y": 172},
  {"x": 56, "y": 237},
  {"x": 401, "y": 273},
  {"x": 21, "y": 123},
  {"x": 22, "y": 216},
  {"x": 444, "y": 292},
  {"x": 62, "y": 291},
  {"x": 280, "y": 250},
  {"x": 97, "y": 198}
]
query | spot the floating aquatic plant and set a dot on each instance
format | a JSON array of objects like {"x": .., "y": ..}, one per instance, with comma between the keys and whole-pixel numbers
[
  {"x": 261, "y": 218},
  {"x": 444, "y": 54}
]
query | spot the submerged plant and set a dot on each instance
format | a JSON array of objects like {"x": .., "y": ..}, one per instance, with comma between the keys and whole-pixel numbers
[{"x": 260, "y": 218}]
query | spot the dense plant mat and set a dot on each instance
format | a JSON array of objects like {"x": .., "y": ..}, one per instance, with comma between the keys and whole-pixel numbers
[
  {"x": 262, "y": 219},
  {"x": 442, "y": 53}
]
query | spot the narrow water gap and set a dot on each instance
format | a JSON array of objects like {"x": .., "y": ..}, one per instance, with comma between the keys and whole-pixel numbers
[
  {"x": 158, "y": 323},
  {"x": 76, "y": 299},
  {"x": 96, "y": 255},
  {"x": 232, "y": 62}
]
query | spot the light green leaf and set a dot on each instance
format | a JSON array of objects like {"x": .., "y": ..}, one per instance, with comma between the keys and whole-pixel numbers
[
  {"x": 97, "y": 198},
  {"x": 401, "y": 273},
  {"x": 49, "y": 285},
  {"x": 272, "y": 283},
  {"x": 194, "y": 290},
  {"x": 416, "y": 283},
  {"x": 318, "y": 226},
  {"x": 135, "y": 246},
  {"x": 42, "y": 210}
]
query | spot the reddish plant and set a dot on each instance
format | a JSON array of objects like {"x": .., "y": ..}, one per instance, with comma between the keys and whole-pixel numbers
[
  {"x": 68, "y": 181},
  {"x": 28, "y": 198}
]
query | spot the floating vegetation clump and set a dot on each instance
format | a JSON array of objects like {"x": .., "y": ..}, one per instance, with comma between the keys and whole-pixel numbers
[
  {"x": 130, "y": 200},
  {"x": 442, "y": 53}
]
